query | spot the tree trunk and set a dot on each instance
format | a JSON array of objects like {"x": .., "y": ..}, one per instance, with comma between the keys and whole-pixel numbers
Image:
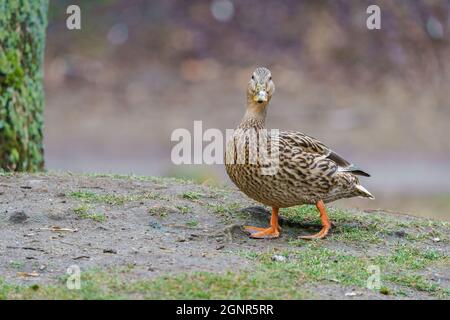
[{"x": 22, "y": 42}]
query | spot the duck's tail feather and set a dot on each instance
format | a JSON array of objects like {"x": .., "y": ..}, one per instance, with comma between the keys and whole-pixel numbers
[{"x": 355, "y": 170}]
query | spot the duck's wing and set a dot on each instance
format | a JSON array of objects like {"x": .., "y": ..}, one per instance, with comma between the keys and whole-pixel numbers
[{"x": 297, "y": 140}]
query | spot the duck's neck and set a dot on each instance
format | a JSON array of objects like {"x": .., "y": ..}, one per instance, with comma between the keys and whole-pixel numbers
[{"x": 255, "y": 116}]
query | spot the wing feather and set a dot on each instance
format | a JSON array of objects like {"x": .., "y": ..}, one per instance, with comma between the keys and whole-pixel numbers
[{"x": 314, "y": 146}]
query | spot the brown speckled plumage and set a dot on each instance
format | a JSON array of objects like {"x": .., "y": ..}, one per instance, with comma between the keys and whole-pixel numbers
[{"x": 308, "y": 171}]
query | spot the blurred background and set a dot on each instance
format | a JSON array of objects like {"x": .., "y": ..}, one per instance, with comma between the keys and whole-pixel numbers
[{"x": 137, "y": 70}]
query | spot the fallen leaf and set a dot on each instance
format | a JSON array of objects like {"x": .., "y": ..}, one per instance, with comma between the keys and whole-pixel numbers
[
  {"x": 28, "y": 274},
  {"x": 59, "y": 229}
]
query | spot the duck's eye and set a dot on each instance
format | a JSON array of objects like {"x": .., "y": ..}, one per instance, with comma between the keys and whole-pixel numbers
[
  {"x": 253, "y": 77},
  {"x": 270, "y": 79}
]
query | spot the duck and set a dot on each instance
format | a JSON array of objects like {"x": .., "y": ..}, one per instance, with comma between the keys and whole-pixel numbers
[{"x": 281, "y": 168}]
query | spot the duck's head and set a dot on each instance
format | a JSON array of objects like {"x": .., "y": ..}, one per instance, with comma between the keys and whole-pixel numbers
[{"x": 260, "y": 87}]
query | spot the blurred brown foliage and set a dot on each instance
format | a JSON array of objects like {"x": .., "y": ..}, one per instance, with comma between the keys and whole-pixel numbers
[{"x": 324, "y": 38}]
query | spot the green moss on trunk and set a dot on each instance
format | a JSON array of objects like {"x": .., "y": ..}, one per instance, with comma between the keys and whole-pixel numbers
[{"x": 22, "y": 41}]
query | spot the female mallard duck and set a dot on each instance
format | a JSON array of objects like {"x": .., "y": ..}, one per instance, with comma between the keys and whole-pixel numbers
[{"x": 307, "y": 171}]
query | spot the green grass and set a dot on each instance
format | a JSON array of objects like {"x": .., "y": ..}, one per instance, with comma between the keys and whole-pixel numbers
[
  {"x": 348, "y": 227},
  {"x": 228, "y": 285},
  {"x": 113, "y": 284},
  {"x": 113, "y": 199},
  {"x": 420, "y": 283},
  {"x": 366, "y": 228},
  {"x": 159, "y": 180},
  {"x": 312, "y": 264},
  {"x": 184, "y": 209},
  {"x": 226, "y": 210},
  {"x": 164, "y": 210},
  {"x": 16, "y": 264},
  {"x": 192, "y": 195},
  {"x": 407, "y": 257},
  {"x": 315, "y": 264},
  {"x": 83, "y": 212},
  {"x": 95, "y": 285},
  {"x": 310, "y": 214},
  {"x": 192, "y": 223}
]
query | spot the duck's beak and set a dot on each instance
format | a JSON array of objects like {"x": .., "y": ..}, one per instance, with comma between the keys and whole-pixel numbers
[{"x": 260, "y": 97}]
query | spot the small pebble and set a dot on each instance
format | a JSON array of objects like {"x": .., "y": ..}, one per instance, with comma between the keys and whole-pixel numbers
[
  {"x": 436, "y": 239},
  {"x": 193, "y": 236},
  {"x": 155, "y": 225},
  {"x": 400, "y": 233},
  {"x": 279, "y": 258},
  {"x": 353, "y": 294},
  {"x": 18, "y": 217}
]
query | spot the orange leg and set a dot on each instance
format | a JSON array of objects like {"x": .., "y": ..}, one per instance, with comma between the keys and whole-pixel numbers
[
  {"x": 266, "y": 233},
  {"x": 326, "y": 225}
]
